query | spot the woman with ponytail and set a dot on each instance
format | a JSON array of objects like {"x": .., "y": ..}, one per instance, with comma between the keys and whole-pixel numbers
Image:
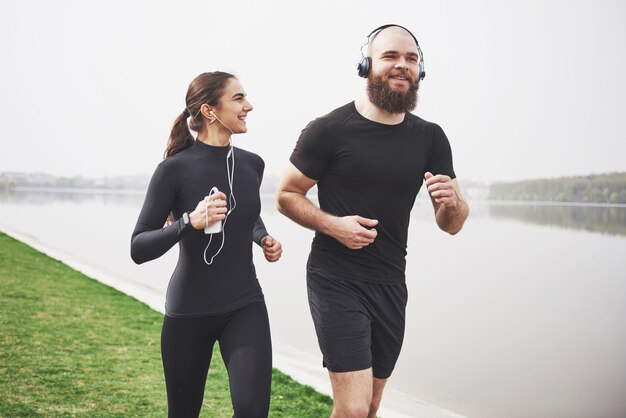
[{"x": 211, "y": 190}]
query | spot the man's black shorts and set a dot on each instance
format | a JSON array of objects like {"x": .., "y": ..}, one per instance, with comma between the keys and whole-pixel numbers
[{"x": 358, "y": 324}]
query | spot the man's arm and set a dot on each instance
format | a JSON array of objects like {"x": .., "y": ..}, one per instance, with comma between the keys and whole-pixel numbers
[
  {"x": 451, "y": 209},
  {"x": 291, "y": 201}
]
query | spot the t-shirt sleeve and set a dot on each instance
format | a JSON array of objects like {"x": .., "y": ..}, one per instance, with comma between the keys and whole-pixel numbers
[
  {"x": 441, "y": 154},
  {"x": 312, "y": 153}
]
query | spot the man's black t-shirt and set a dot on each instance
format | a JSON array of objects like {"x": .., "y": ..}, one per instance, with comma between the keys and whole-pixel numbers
[
  {"x": 177, "y": 185},
  {"x": 373, "y": 170}
]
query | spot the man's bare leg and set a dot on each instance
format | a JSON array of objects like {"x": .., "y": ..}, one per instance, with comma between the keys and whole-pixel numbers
[
  {"x": 377, "y": 396},
  {"x": 356, "y": 394},
  {"x": 352, "y": 393}
]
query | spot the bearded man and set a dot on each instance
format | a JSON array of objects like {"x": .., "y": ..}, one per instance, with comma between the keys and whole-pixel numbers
[{"x": 369, "y": 159}]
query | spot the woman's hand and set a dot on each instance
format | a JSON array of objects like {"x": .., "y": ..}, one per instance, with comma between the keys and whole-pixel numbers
[
  {"x": 208, "y": 211},
  {"x": 272, "y": 249}
]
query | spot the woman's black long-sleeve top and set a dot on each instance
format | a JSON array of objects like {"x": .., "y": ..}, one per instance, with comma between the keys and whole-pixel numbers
[{"x": 177, "y": 185}]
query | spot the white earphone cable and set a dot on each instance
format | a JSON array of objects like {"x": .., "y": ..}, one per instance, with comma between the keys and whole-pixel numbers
[{"x": 230, "y": 173}]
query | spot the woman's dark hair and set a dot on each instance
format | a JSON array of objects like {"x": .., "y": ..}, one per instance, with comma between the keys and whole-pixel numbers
[{"x": 205, "y": 88}]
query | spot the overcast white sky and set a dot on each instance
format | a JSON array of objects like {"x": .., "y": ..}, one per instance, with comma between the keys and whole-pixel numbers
[{"x": 523, "y": 89}]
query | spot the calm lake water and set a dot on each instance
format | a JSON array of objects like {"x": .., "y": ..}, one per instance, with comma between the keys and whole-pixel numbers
[{"x": 521, "y": 315}]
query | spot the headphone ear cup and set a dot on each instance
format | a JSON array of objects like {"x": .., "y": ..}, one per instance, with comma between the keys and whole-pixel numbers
[{"x": 364, "y": 67}]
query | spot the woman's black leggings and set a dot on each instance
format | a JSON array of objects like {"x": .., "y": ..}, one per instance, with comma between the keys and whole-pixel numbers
[{"x": 245, "y": 344}]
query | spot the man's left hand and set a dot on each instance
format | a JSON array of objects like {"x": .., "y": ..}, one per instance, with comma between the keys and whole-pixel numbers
[{"x": 441, "y": 189}]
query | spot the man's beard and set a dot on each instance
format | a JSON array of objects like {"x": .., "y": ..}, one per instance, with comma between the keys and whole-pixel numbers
[{"x": 383, "y": 96}]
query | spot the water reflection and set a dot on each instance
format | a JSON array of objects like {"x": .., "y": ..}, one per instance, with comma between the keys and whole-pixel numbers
[
  {"x": 604, "y": 219},
  {"x": 126, "y": 198},
  {"x": 44, "y": 196}
]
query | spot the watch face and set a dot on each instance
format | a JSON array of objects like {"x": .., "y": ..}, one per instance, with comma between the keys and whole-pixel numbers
[{"x": 185, "y": 218}]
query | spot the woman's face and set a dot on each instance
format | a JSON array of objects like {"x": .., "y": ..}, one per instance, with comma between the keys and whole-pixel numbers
[{"x": 233, "y": 107}]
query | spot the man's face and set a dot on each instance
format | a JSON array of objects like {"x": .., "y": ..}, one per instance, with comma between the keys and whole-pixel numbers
[{"x": 394, "y": 81}]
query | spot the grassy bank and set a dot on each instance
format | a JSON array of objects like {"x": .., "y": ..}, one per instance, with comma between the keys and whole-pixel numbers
[{"x": 73, "y": 347}]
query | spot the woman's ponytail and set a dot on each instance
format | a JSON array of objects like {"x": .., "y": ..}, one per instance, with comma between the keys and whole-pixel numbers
[{"x": 180, "y": 137}]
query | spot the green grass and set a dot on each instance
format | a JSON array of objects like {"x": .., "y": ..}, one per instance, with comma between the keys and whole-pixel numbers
[{"x": 73, "y": 347}]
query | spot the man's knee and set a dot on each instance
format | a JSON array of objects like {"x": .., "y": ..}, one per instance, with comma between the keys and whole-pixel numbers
[
  {"x": 352, "y": 393},
  {"x": 353, "y": 409}
]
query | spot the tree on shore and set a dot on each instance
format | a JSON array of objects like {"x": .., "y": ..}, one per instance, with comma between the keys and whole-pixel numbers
[{"x": 594, "y": 188}]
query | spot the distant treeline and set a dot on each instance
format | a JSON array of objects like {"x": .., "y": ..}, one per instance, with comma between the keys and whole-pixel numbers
[
  {"x": 595, "y": 188},
  {"x": 16, "y": 180},
  {"x": 5, "y": 185}
]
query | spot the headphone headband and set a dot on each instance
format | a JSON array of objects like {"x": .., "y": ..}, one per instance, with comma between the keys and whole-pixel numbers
[
  {"x": 365, "y": 65},
  {"x": 390, "y": 25}
]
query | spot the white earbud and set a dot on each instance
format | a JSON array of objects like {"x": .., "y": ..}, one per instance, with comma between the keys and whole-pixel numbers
[{"x": 220, "y": 121}]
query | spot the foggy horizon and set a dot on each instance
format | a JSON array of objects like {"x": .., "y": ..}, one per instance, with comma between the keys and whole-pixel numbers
[
  {"x": 523, "y": 90},
  {"x": 275, "y": 176}
]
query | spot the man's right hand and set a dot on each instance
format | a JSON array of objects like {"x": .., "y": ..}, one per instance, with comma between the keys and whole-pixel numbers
[{"x": 354, "y": 231}]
